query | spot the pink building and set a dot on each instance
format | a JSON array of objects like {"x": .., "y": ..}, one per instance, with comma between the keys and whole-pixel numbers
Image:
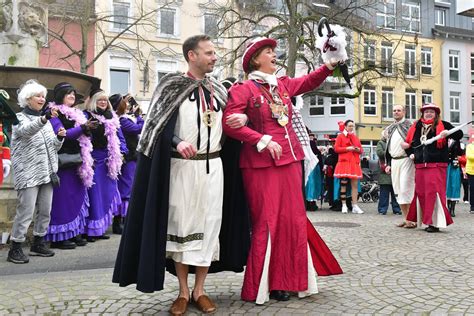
[{"x": 58, "y": 53}]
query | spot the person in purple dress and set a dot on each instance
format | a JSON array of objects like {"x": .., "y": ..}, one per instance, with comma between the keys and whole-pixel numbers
[
  {"x": 108, "y": 150},
  {"x": 131, "y": 124},
  {"x": 70, "y": 199}
]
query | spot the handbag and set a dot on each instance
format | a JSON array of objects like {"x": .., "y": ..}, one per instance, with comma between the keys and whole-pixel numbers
[
  {"x": 69, "y": 160},
  {"x": 55, "y": 179}
]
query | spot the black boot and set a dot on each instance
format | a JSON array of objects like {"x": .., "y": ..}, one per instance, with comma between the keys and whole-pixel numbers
[
  {"x": 16, "y": 254},
  {"x": 349, "y": 203},
  {"x": 117, "y": 225},
  {"x": 39, "y": 248},
  {"x": 452, "y": 206}
]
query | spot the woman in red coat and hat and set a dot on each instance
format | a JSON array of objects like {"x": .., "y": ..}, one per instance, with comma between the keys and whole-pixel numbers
[
  {"x": 285, "y": 252},
  {"x": 348, "y": 168},
  {"x": 428, "y": 207}
]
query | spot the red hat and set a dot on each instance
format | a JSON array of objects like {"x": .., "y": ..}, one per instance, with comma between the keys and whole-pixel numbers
[
  {"x": 252, "y": 47},
  {"x": 431, "y": 106},
  {"x": 341, "y": 126}
]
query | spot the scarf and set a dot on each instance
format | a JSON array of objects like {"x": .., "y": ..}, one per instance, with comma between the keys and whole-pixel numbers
[
  {"x": 402, "y": 126},
  {"x": 170, "y": 93},
  {"x": 271, "y": 79},
  {"x": 85, "y": 170},
  {"x": 114, "y": 162},
  {"x": 30, "y": 111},
  {"x": 440, "y": 143}
]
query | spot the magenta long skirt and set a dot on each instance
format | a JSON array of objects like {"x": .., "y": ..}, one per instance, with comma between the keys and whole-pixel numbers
[
  {"x": 275, "y": 198},
  {"x": 430, "y": 181}
]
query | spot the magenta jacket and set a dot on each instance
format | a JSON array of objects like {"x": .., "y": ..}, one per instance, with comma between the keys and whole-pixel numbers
[{"x": 246, "y": 97}]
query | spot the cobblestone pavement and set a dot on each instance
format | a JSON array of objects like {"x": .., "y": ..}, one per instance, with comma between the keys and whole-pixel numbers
[{"x": 387, "y": 270}]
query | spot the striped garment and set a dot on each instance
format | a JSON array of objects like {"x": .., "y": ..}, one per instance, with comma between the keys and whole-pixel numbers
[{"x": 30, "y": 140}]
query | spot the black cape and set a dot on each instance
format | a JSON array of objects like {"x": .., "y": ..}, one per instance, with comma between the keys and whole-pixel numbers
[{"x": 141, "y": 257}]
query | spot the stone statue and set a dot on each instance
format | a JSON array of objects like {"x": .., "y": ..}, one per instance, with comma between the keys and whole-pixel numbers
[
  {"x": 6, "y": 15},
  {"x": 31, "y": 20}
]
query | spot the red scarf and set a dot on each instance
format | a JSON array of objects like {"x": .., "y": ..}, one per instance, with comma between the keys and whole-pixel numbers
[{"x": 440, "y": 143}]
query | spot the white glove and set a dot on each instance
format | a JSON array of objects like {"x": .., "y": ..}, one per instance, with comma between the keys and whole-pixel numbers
[{"x": 6, "y": 167}]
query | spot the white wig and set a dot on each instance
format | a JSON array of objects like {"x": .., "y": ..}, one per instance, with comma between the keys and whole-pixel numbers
[
  {"x": 91, "y": 104},
  {"x": 29, "y": 89}
]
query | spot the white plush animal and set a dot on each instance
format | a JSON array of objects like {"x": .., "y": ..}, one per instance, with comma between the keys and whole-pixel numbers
[{"x": 337, "y": 42}]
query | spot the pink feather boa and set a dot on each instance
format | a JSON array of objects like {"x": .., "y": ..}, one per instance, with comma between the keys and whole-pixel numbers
[
  {"x": 114, "y": 162},
  {"x": 86, "y": 170}
]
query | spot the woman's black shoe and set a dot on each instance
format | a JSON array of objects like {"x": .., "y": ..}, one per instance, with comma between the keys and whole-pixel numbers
[
  {"x": 90, "y": 238},
  {"x": 432, "y": 229},
  {"x": 78, "y": 240},
  {"x": 102, "y": 237},
  {"x": 280, "y": 295},
  {"x": 65, "y": 244}
]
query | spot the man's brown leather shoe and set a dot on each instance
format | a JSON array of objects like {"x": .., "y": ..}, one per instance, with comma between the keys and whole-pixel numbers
[
  {"x": 179, "y": 307},
  {"x": 205, "y": 304}
]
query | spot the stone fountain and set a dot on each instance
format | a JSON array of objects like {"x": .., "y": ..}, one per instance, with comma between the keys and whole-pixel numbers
[{"x": 23, "y": 31}]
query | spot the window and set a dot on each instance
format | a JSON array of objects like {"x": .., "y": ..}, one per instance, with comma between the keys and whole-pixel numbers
[
  {"x": 338, "y": 104},
  {"x": 472, "y": 68},
  {"x": 316, "y": 106},
  {"x": 410, "y": 104},
  {"x": 120, "y": 74},
  {"x": 386, "y": 15},
  {"x": 210, "y": 25},
  {"x": 453, "y": 65},
  {"x": 369, "y": 101},
  {"x": 387, "y": 103},
  {"x": 426, "y": 96},
  {"x": 410, "y": 60},
  {"x": 472, "y": 107},
  {"x": 411, "y": 15},
  {"x": 165, "y": 66},
  {"x": 426, "y": 60},
  {"x": 386, "y": 58},
  {"x": 119, "y": 81},
  {"x": 440, "y": 16},
  {"x": 369, "y": 53},
  {"x": 167, "y": 22},
  {"x": 121, "y": 11},
  {"x": 454, "y": 110}
]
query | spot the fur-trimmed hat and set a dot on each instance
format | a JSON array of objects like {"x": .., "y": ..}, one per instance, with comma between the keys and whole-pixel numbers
[
  {"x": 431, "y": 106},
  {"x": 115, "y": 100},
  {"x": 60, "y": 90},
  {"x": 252, "y": 47}
]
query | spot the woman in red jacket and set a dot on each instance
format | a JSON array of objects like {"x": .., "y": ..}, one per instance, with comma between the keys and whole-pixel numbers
[
  {"x": 348, "y": 168},
  {"x": 285, "y": 249}
]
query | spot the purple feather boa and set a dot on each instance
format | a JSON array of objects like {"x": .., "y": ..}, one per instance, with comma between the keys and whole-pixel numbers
[
  {"x": 114, "y": 162},
  {"x": 86, "y": 170}
]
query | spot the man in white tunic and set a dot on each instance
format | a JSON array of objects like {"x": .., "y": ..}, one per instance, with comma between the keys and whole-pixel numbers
[
  {"x": 399, "y": 164},
  {"x": 176, "y": 206},
  {"x": 196, "y": 179}
]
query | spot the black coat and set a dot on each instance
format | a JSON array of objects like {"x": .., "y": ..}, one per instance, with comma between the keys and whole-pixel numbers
[
  {"x": 431, "y": 153},
  {"x": 141, "y": 257}
]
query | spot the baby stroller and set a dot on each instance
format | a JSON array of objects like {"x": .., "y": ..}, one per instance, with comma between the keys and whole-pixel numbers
[{"x": 369, "y": 187}]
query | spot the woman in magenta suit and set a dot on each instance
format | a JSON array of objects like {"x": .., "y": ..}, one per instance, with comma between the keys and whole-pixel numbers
[{"x": 286, "y": 252}]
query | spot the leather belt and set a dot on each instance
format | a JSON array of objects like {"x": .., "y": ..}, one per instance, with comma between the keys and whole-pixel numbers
[
  {"x": 175, "y": 154},
  {"x": 397, "y": 158}
]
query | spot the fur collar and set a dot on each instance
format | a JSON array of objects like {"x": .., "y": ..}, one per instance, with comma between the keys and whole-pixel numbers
[{"x": 173, "y": 89}]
